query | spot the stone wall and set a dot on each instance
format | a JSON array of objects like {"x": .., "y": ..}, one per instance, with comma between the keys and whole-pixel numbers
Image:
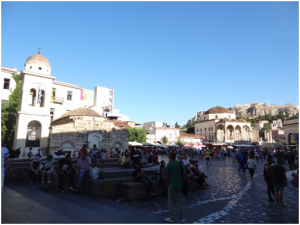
[{"x": 76, "y": 131}]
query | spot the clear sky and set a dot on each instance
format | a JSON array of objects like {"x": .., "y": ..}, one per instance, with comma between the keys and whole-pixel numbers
[{"x": 173, "y": 58}]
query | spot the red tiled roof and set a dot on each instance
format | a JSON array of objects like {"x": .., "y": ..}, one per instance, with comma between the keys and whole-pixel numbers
[
  {"x": 259, "y": 122},
  {"x": 120, "y": 124},
  {"x": 190, "y": 135},
  {"x": 217, "y": 109}
]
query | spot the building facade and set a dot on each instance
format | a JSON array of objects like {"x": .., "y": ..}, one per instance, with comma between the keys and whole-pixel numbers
[
  {"x": 85, "y": 126},
  {"x": 44, "y": 99},
  {"x": 8, "y": 84},
  {"x": 220, "y": 124},
  {"x": 157, "y": 133},
  {"x": 291, "y": 131}
]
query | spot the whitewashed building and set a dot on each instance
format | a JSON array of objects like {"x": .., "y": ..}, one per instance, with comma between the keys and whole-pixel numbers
[
  {"x": 44, "y": 99},
  {"x": 220, "y": 124}
]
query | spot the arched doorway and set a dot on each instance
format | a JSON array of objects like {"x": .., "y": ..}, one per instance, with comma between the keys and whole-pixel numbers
[
  {"x": 94, "y": 139},
  {"x": 220, "y": 132},
  {"x": 34, "y": 130},
  {"x": 246, "y": 133},
  {"x": 238, "y": 132},
  {"x": 229, "y": 132}
]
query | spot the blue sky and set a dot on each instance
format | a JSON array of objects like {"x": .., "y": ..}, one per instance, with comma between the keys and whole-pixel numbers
[{"x": 173, "y": 58}]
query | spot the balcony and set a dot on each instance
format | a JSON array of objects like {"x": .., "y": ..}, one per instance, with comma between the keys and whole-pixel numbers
[{"x": 58, "y": 100}]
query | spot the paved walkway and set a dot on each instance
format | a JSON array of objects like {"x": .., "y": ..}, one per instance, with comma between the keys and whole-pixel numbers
[{"x": 231, "y": 198}]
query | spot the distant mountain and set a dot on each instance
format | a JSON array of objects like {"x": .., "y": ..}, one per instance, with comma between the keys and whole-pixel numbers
[{"x": 257, "y": 109}]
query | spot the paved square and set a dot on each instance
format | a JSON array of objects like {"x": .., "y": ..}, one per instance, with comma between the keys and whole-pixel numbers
[{"x": 231, "y": 198}]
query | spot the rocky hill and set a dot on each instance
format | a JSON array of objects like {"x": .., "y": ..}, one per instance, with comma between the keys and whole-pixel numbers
[
  {"x": 261, "y": 109},
  {"x": 257, "y": 109}
]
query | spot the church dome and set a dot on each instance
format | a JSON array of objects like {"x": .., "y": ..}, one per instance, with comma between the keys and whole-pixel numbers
[
  {"x": 83, "y": 111},
  {"x": 38, "y": 58},
  {"x": 217, "y": 109}
]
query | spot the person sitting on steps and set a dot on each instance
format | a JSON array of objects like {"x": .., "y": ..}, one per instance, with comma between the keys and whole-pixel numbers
[
  {"x": 48, "y": 168},
  {"x": 84, "y": 169},
  {"x": 34, "y": 170},
  {"x": 139, "y": 175},
  {"x": 64, "y": 168}
]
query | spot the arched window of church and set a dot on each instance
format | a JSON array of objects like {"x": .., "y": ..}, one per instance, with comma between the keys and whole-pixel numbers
[
  {"x": 34, "y": 130},
  {"x": 229, "y": 116},
  {"x": 32, "y": 97},
  {"x": 216, "y": 117},
  {"x": 197, "y": 130},
  {"x": 42, "y": 98}
]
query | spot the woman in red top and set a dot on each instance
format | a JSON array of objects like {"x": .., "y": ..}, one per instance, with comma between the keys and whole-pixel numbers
[{"x": 83, "y": 149}]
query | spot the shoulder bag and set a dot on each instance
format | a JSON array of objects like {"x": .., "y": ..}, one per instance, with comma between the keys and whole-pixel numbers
[{"x": 184, "y": 184}]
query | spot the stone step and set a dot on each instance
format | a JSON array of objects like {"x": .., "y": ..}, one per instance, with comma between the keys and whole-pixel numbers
[{"x": 125, "y": 172}]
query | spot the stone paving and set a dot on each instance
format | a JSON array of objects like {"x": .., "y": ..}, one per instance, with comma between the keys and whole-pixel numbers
[{"x": 231, "y": 198}]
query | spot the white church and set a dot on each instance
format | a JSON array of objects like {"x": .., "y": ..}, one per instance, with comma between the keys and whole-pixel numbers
[{"x": 44, "y": 99}]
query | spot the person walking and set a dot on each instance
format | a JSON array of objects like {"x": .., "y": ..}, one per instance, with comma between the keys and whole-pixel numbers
[
  {"x": 269, "y": 179},
  {"x": 207, "y": 153},
  {"x": 174, "y": 183},
  {"x": 242, "y": 161},
  {"x": 280, "y": 180},
  {"x": 251, "y": 166}
]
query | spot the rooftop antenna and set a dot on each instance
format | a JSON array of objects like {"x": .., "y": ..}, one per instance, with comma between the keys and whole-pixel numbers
[
  {"x": 74, "y": 79},
  {"x": 160, "y": 115},
  {"x": 39, "y": 52}
]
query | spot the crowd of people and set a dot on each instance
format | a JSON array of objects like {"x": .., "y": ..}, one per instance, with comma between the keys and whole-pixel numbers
[{"x": 182, "y": 166}]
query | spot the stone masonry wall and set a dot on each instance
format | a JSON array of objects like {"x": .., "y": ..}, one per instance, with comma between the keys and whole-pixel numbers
[{"x": 76, "y": 131}]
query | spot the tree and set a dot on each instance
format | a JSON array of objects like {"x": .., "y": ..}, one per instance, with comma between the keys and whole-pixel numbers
[
  {"x": 253, "y": 124},
  {"x": 165, "y": 124},
  {"x": 267, "y": 126},
  {"x": 176, "y": 125},
  {"x": 9, "y": 113},
  {"x": 137, "y": 134},
  {"x": 179, "y": 141},
  {"x": 164, "y": 139},
  {"x": 191, "y": 129}
]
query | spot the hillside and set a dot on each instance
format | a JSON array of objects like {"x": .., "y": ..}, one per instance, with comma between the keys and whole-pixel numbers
[{"x": 257, "y": 109}]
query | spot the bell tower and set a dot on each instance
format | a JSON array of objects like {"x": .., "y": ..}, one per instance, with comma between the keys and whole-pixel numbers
[{"x": 33, "y": 119}]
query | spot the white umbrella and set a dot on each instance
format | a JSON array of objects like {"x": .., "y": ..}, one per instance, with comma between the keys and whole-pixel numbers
[
  {"x": 230, "y": 147},
  {"x": 134, "y": 143}
]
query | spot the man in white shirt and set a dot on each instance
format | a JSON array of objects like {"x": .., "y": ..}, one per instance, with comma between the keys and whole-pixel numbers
[{"x": 4, "y": 163}]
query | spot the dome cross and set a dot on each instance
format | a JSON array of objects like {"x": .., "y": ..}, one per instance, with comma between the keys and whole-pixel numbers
[{"x": 39, "y": 50}]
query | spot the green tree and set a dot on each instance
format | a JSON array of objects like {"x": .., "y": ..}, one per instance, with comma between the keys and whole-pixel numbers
[
  {"x": 9, "y": 113},
  {"x": 281, "y": 116},
  {"x": 267, "y": 126},
  {"x": 165, "y": 124},
  {"x": 191, "y": 129},
  {"x": 137, "y": 134},
  {"x": 179, "y": 141},
  {"x": 176, "y": 125},
  {"x": 164, "y": 139}
]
